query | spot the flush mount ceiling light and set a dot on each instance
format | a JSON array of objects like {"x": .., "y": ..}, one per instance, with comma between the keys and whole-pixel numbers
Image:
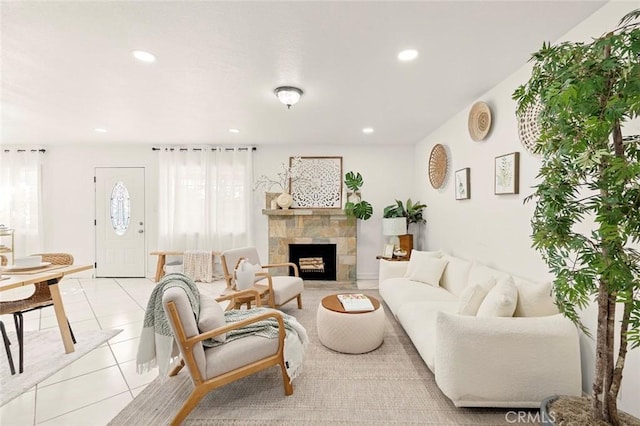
[
  {"x": 143, "y": 56},
  {"x": 367, "y": 130},
  {"x": 100, "y": 130},
  {"x": 408, "y": 55},
  {"x": 234, "y": 130},
  {"x": 288, "y": 95}
]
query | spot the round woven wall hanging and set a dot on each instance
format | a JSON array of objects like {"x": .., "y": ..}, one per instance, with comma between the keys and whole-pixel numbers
[
  {"x": 528, "y": 126},
  {"x": 479, "y": 121},
  {"x": 437, "y": 166}
]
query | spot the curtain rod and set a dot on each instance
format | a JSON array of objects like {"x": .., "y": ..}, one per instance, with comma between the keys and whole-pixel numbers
[
  {"x": 200, "y": 149},
  {"x": 25, "y": 150}
]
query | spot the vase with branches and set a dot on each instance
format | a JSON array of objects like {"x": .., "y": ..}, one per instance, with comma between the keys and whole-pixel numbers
[
  {"x": 283, "y": 180},
  {"x": 586, "y": 223}
]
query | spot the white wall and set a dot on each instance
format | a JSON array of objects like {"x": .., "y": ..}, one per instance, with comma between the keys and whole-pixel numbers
[
  {"x": 69, "y": 197},
  {"x": 496, "y": 229},
  {"x": 69, "y": 200}
]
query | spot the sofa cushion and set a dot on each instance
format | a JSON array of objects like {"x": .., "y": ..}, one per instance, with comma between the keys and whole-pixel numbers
[
  {"x": 534, "y": 299},
  {"x": 398, "y": 291},
  {"x": 429, "y": 270},
  {"x": 419, "y": 321},
  {"x": 211, "y": 317},
  {"x": 481, "y": 273},
  {"x": 472, "y": 297},
  {"x": 417, "y": 257},
  {"x": 456, "y": 275},
  {"x": 501, "y": 300}
]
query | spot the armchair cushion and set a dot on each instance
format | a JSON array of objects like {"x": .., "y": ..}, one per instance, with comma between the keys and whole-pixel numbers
[
  {"x": 211, "y": 317},
  {"x": 284, "y": 287},
  {"x": 237, "y": 353}
]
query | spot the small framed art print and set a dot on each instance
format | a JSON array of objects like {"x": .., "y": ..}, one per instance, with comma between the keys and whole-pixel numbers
[
  {"x": 507, "y": 170},
  {"x": 388, "y": 251},
  {"x": 463, "y": 184}
]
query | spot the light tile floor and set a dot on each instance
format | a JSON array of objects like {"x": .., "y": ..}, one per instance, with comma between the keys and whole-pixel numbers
[{"x": 103, "y": 382}]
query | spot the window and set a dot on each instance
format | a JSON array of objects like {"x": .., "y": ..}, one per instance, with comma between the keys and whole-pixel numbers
[{"x": 204, "y": 199}]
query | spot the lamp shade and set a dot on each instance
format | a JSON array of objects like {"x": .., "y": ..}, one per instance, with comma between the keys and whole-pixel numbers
[{"x": 394, "y": 225}]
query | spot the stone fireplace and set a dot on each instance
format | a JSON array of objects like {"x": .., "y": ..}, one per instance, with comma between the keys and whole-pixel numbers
[{"x": 314, "y": 226}]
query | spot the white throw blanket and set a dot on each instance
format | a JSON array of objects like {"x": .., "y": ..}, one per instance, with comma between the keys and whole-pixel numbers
[
  {"x": 157, "y": 347},
  {"x": 198, "y": 265}
]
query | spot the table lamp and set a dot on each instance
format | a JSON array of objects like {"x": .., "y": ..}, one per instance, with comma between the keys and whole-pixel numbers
[{"x": 396, "y": 228}]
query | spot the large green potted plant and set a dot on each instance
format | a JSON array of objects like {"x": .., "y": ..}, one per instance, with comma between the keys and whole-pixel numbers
[
  {"x": 355, "y": 205},
  {"x": 411, "y": 211},
  {"x": 586, "y": 219}
]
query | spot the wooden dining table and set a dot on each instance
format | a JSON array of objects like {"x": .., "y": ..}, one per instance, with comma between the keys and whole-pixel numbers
[{"x": 52, "y": 275}]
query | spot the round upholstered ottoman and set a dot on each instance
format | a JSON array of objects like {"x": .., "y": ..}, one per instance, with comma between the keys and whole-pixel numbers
[{"x": 349, "y": 332}]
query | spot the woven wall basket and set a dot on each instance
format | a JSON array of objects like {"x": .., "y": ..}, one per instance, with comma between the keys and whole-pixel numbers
[
  {"x": 437, "y": 166},
  {"x": 528, "y": 126},
  {"x": 479, "y": 121}
]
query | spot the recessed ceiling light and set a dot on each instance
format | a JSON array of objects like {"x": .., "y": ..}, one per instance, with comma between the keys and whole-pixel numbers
[
  {"x": 234, "y": 130},
  {"x": 408, "y": 55},
  {"x": 367, "y": 130},
  {"x": 100, "y": 130},
  {"x": 143, "y": 56}
]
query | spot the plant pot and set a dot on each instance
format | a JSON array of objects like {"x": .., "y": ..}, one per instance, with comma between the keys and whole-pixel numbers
[
  {"x": 284, "y": 200},
  {"x": 546, "y": 419},
  {"x": 244, "y": 279}
]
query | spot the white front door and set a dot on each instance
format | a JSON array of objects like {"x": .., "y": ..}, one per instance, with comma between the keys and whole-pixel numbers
[{"x": 120, "y": 218}]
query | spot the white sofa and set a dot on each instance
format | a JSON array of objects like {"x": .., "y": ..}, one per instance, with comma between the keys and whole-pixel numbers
[{"x": 514, "y": 351}]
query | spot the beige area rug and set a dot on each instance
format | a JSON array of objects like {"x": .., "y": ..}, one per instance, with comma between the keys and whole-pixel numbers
[
  {"x": 43, "y": 356},
  {"x": 390, "y": 385}
]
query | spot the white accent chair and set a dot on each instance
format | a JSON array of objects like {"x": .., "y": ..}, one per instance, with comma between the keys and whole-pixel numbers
[
  {"x": 211, "y": 368},
  {"x": 281, "y": 289}
]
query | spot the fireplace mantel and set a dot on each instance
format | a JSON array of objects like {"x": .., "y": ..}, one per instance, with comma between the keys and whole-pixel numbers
[
  {"x": 304, "y": 212},
  {"x": 314, "y": 226}
]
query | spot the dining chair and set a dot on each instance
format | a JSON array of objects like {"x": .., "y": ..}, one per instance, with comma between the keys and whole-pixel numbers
[
  {"x": 214, "y": 367},
  {"x": 7, "y": 343},
  {"x": 282, "y": 288},
  {"x": 41, "y": 298}
]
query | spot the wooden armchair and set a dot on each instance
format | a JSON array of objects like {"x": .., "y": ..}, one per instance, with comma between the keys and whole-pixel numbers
[
  {"x": 211, "y": 368},
  {"x": 41, "y": 298},
  {"x": 281, "y": 289}
]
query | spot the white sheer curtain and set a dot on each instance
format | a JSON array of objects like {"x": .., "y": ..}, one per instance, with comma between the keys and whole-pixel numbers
[
  {"x": 20, "y": 198},
  {"x": 205, "y": 198}
]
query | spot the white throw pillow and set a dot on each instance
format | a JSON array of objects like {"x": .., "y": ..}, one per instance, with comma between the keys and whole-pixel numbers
[
  {"x": 429, "y": 271},
  {"x": 418, "y": 257},
  {"x": 456, "y": 275},
  {"x": 211, "y": 317},
  {"x": 501, "y": 300},
  {"x": 472, "y": 296},
  {"x": 534, "y": 299}
]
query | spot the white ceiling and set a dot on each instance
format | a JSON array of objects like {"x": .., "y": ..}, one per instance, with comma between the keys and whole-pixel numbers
[{"x": 67, "y": 67}]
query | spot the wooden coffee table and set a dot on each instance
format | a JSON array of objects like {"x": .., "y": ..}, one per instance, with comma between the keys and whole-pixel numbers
[{"x": 352, "y": 332}]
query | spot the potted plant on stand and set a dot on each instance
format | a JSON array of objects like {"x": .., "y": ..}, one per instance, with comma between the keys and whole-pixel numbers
[
  {"x": 355, "y": 205},
  {"x": 412, "y": 213},
  {"x": 586, "y": 223}
]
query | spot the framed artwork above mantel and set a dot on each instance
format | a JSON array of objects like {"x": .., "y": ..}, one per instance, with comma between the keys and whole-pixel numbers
[{"x": 317, "y": 183}]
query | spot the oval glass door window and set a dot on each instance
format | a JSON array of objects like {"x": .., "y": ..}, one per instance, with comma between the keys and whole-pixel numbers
[{"x": 120, "y": 208}]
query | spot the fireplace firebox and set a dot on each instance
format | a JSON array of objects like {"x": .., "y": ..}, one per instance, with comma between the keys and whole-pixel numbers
[{"x": 315, "y": 261}]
